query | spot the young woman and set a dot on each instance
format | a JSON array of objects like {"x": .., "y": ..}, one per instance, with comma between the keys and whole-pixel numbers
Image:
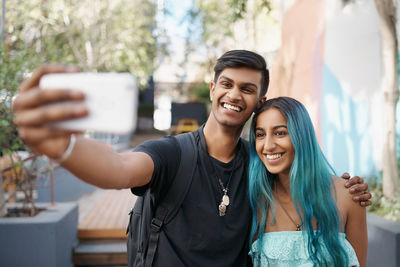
[{"x": 302, "y": 213}]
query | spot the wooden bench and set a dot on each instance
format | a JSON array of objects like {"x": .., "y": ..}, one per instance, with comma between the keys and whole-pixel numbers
[{"x": 109, "y": 218}]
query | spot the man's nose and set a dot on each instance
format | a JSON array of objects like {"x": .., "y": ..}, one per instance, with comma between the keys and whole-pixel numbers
[{"x": 234, "y": 93}]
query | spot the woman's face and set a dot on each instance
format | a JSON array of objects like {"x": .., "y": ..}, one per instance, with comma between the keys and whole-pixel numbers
[{"x": 273, "y": 143}]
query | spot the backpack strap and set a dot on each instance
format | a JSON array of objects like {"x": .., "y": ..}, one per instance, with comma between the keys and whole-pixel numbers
[{"x": 173, "y": 200}]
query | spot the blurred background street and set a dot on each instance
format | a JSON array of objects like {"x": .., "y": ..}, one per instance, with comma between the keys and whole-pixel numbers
[{"x": 338, "y": 57}]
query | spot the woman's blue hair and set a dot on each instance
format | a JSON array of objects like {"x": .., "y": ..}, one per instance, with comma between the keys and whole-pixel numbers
[{"x": 311, "y": 182}]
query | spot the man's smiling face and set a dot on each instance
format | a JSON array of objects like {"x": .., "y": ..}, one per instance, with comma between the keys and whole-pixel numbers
[{"x": 234, "y": 95}]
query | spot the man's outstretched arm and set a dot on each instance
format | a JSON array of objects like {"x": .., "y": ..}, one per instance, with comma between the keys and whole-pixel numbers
[{"x": 89, "y": 160}]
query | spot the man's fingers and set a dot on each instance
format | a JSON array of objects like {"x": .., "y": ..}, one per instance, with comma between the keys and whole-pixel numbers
[
  {"x": 346, "y": 175},
  {"x": 365, "y": 203},
  {"x": 37, "y": 97},
  {"x": 34, "y": 136},
  {"x": 45, "y": 69},
  {"x": 353, "y": 181},
  {"x": 50, "y": 113},
  {"x": 364, "y": 197},
  {"x": 358, "y": 188}
]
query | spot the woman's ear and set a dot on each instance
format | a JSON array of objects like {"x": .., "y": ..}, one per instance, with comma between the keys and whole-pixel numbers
[{"x": 261, "y": 101}]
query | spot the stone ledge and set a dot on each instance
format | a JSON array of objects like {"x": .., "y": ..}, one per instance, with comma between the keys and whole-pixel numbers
[{"x": 383, "y": 242}]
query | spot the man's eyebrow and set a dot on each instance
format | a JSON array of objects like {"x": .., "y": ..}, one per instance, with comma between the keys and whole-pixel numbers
[
  {"x": 250, "y": 84},
  {"x": 226, "y": 78},
  {"x": 230, "y": 80}
]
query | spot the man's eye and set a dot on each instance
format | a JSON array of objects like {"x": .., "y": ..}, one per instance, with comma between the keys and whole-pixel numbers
[
  {"x": 247, "y": 90},
  {"x": 226, "y": 84}
]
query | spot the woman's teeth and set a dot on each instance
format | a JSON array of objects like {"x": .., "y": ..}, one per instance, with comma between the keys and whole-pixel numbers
[{"x": 274, "y": 156}]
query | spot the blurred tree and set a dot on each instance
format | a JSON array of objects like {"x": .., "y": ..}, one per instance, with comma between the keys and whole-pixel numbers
[
  {"x": 387, "y": 16},
  {"x": 225, "y": 25},
  {"x": 13, "y": 65},
  {"x": 96, "y": 35}
]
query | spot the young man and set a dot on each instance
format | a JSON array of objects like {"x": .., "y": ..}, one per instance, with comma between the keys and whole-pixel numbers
[{"x": 202, "y": 233}]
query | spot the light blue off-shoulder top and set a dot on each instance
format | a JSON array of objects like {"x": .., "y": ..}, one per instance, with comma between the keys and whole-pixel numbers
[{"x": 289, "y": 249}]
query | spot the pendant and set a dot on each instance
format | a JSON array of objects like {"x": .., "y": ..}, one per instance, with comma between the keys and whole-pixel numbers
[
  {"x": 298, "y": 227},
  {"x": 222, "y": 209},
  {"x": 225, "y": 200}
]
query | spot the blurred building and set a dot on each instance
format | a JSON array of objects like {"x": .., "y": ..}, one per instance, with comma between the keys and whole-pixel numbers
[{"x": 330, "y": 60}]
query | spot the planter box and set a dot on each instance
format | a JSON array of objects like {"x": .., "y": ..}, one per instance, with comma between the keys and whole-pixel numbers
[
  {"x": 67, "y": 187},
  {"x": 383, "y": 242},
  {"x": 44, "y": 240}
]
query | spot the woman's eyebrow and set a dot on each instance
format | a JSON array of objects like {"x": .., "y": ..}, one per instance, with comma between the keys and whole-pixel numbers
[{"x": 279, "y": 126}]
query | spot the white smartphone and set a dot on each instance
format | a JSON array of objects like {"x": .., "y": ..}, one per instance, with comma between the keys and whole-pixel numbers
[{"x": 111, "y": 98}]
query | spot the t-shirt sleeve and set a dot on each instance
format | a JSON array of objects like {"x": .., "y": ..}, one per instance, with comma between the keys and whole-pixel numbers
[{"x": 166, "y": 156}]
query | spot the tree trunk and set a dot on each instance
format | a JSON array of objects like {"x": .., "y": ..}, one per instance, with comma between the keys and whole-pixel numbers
[
  {"x": 3, "y": 20},
  {"x": 3, "y": 209},
  {"x": 387, "y": 17}
]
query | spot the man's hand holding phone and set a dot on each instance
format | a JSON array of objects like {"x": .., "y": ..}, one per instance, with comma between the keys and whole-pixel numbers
[{"x": 41, "y": 114}]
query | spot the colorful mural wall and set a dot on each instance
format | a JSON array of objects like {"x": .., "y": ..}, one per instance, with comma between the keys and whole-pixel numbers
[{"x": 330, "y": 60}]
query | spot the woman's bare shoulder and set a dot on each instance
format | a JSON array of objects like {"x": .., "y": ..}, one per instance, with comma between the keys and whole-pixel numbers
[
  {"x": 339, "y": 185},
  {"x": 343, "y": 195}
]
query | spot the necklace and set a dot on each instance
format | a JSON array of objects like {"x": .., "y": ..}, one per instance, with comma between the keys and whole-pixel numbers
[
  {"x": 298, "y": 226},
  {"x": 225, "y": 201},
  {"x": 225, "y": 198}
]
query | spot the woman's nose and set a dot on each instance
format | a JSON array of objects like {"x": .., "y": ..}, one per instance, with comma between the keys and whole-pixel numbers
[{"x": 269, "y": 143}]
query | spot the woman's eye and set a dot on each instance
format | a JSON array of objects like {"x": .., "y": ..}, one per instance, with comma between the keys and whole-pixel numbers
[
  {"x": 260, "y": 135},
  {"x": 281, "y": 133}
]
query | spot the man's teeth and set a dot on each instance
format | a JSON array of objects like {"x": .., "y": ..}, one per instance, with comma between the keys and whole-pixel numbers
[
  {"x": 274, "y": 156},
  {"x": 231, "y": 107}
]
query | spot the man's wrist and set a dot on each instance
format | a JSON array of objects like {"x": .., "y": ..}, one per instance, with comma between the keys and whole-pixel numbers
[{"x": 68, "y": 151}]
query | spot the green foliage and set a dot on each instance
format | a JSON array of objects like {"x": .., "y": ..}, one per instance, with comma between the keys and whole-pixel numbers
[
  {"x": 146, "y": 111},
  {"x": 13, "y": 66},
  {"x": 383, "y": 206},
  {"x": 239, "y": 7},
  {"x": 95, "y": 35},
  {"x": 225, "y": 25},
  {"x": 218, "y": 18},
  {"x": 200, "y": 92}
]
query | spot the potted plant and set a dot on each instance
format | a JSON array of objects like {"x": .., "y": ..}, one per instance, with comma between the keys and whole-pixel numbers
[{"x": 32, "y": 234}]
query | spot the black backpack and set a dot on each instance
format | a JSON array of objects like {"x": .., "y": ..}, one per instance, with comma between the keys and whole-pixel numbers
[{"x": 144, "y": 228}]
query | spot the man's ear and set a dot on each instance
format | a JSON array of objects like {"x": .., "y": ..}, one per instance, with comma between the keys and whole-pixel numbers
[
  {"x": 261, "y": 101},
  {"x": 212, "y": 88}
]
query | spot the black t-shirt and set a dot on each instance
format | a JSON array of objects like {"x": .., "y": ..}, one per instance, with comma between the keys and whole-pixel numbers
[{"x": 198, "y": 236}]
